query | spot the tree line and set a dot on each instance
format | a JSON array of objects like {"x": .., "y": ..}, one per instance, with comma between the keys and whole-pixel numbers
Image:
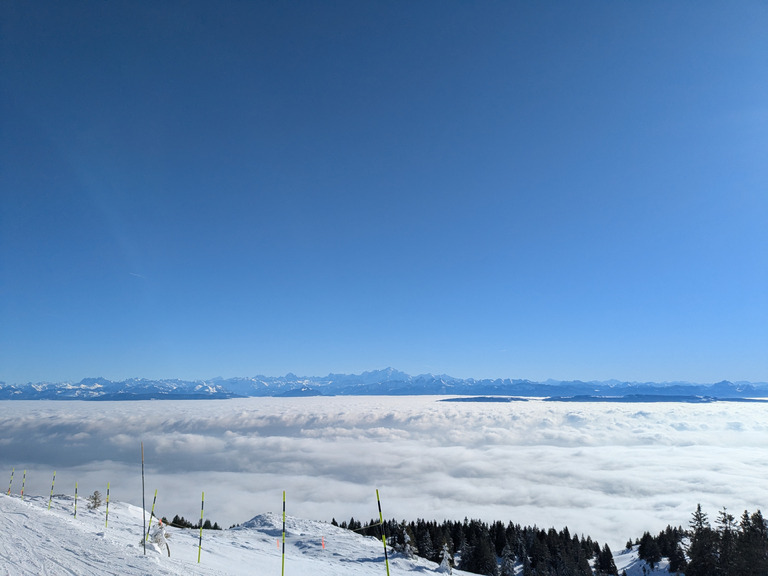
[
  {"x": 494, "y": 549},
  {"x": 181, "y": 522},
  {"x": 729, "y": 548}
]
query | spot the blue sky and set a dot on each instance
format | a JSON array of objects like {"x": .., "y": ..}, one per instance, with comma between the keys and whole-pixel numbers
[{"x": 492, "y": 189}]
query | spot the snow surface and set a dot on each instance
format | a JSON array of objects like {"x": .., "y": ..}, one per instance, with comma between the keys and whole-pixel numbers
[
  {"x": 627, "y": 560},
  {"x": 34, "y": 540}
]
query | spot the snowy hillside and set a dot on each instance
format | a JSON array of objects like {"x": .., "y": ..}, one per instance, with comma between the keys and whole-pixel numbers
[
  {"x": 628, "y": 563},
  {"x": 34, "y": 540}
]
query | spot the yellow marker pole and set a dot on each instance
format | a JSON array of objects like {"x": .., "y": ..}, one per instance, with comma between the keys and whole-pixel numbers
[
  {"x": 383, "y": 537},
  {"x": 200, "y": 542},
  {"x": 23, "y": 482},
  {"x": 152, "y": 513},
  {"x": 283, "y": 568},
  {"x": 106, "y": 520},
  {"x": 11, "y": 483},
  {"x": 52, "y": 483}
]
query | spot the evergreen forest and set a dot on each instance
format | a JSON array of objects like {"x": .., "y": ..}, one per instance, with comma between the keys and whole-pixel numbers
[{"x": 727, "y": 547}]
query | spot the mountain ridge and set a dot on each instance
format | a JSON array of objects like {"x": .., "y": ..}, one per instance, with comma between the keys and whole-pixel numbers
[{"x": 387, "y": 382}]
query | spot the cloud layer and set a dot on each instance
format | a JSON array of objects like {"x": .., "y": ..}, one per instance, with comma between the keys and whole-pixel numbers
[{"x": 607, "y": 470}]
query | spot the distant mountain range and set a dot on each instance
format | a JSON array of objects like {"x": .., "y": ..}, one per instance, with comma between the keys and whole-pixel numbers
[{"x": 387, "y": 382}]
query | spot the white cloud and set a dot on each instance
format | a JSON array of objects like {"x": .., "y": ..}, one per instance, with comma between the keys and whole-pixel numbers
[{"x": 607, "y": 470}]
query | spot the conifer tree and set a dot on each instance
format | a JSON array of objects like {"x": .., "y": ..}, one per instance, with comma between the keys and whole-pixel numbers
[
  {"x": 424, "y": 544},
  {"x": 752, "y": 545},
  {"x": 94, "y": 500},
  {"x": 409, "y": 547},
  {"x": 677, "y": 561},
  {"x": 702, "y": 549},
  {"x": 605, "y": 566},
  {"x": 446, "y": 561},
  {"x": 649, "y": 550},
  {"x": 726, "y": 559},
  {"x": 507, "y": 561}
]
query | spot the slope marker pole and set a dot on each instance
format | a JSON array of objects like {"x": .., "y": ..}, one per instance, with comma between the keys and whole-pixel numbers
[
  {"x": 200, "y": 541},
  {"x": 23, "y": 482},
  {"x": 383, "y": 537},
  {"x": 106, "y": 519},
  {"x": 75, "y": 499},
  {"x": 283, "y": 566},
  {"x": 152, "y": 513},
  {"x": 52, "y": 483},
  {"x": 143, "y": 504},
  {"x": 11, "y": 484}
]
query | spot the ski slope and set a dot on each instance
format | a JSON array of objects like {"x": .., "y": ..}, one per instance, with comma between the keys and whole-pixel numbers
[{"x": 34, "y": 540}]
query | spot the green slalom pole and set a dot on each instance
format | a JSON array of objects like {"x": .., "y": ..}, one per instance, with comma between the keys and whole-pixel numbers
[
  {"x": 151, "y": 513},
  {"x": 383, "y": 537},
  {"x": 11, "y": 484},
  {"x": 106, "y": 520},
  {"x": 23, "y": 483},
  {"x": 75, "y": 499},
  {"x": 52, "y": 483},
  {"x": 200, "y": 541},
  {"x": 283, "y": 569}
]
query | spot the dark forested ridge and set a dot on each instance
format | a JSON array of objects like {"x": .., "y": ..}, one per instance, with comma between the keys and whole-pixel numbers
[
  {"x": 729, "y": 548},
  {"x": 494, "y": 549}
]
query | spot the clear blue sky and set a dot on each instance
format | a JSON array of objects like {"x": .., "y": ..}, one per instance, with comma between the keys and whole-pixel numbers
[{"x": 574, "y": 190}]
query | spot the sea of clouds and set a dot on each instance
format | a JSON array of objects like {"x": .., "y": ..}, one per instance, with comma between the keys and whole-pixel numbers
[{"x": 608, "y": 470}]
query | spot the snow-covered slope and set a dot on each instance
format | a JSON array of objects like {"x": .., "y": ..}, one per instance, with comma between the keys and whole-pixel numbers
[
  {"x": 34, "y": 540},
  {"x": 627, "y": 561}
]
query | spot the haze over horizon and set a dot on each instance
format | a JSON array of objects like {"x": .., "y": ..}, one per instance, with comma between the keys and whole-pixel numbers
[{"x": 486, "y": 190}]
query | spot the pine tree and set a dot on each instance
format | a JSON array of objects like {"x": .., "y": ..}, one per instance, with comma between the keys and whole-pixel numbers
[
  {"x": 498, "y": 534},
  {"x": 424, "y": 544},
  {"x": 605, "y": 566},
  {"x": 354, "y": 524},
  {"x": 752, "y": 546},
  {"x": 485, "y": 558},
  {"x": 446, "y": 561},
  {"x": 409, "y": 548},
  {"x": 507, "y": 561},
  {"x": 677, "y": 561},
  {"x": 649, "y": 550},
  {"x": 94, "y": 500},
  {"x": 726, "y": 560},
  {"x": 702, "y": 549}
]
